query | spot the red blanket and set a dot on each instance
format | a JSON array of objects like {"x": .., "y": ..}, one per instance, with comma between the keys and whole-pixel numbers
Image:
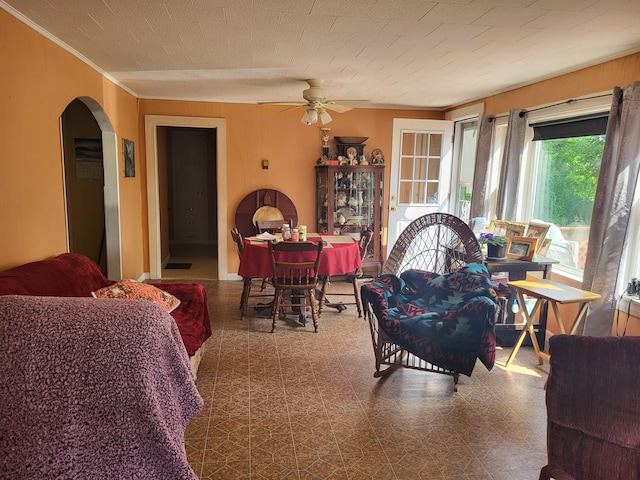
[{"x": 75, "y": 275}]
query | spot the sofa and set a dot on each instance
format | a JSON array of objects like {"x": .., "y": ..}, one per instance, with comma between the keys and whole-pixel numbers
[
  {"x": 75, "y": 275},
  {"x": 593, "y": 408}
]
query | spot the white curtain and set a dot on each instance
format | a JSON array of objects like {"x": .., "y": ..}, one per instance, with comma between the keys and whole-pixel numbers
[
  {"x": 480, "y": 187},
  {"x": 612, "y": 208},
  {"x": 506, "y": 204}
]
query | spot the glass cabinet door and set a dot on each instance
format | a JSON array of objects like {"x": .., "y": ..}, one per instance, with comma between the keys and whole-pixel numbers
[
  {"x": 350, "y": 200},
  {"x": 354, "y": 202}
]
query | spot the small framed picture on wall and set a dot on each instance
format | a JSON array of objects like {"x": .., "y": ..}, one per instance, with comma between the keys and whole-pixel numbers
[{"x": 129, "y": 158}]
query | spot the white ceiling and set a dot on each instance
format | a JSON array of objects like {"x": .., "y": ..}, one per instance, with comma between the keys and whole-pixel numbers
[{"x": 407, "y": 53}]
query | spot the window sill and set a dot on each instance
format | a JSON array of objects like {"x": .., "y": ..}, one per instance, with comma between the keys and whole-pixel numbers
[{"x": 565, "y": 277}]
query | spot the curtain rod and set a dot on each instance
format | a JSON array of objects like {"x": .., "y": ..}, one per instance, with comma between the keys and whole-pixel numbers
[{"x": 566, "y": 102}]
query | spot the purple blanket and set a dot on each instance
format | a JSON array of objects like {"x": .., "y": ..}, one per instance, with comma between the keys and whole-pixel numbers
[{"x": 92, "y": 389}]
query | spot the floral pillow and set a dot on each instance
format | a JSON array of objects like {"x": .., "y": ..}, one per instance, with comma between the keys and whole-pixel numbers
[{"x": 132, "y": 290}]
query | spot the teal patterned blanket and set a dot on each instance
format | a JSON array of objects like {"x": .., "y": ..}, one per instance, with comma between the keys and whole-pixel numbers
[{"x": 447, "y": 320}]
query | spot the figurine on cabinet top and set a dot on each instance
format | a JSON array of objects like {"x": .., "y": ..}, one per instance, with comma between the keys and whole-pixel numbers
[
  {"x": 376, "y": 157},
  {"x": 351, "y": 156}
]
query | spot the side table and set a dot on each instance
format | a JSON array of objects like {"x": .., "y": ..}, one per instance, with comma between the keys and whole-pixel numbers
[
  {"x": 547, "y": 291},
  {"x": 517, "y": 270}
]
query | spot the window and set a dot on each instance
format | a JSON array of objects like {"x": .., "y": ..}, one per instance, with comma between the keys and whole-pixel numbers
[
  {"x": 566, "y": 178},
  {"x": 565, "y": 155},
  {"x": 420, "y": 167},
  {"x": 468, "y": 132}
]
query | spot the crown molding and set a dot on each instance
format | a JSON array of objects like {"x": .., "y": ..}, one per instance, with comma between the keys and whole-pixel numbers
[{"x": 31, "y": 24}]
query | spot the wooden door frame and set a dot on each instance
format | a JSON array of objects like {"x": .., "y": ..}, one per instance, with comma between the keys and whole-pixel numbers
[
  {"x": 412, "y": 124},
  {"x": 152, "y": 122}
]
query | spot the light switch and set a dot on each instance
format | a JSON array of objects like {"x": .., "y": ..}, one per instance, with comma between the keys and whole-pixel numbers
[{"x": 265, "y": 164}]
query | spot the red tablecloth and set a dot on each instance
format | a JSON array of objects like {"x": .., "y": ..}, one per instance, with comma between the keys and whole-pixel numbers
[{"x": 338, "y": 257}]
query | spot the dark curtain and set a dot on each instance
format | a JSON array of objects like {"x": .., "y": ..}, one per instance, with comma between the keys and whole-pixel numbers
[
  {"x": 510, "y": 168},
  {"x": 480, "y": 187},
  {"x": 612, "y": 208}
]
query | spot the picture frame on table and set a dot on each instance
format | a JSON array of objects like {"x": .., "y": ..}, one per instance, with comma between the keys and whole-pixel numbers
[
  {"x": 498, "y": 227},
  {"x": 538, "y": 230},
  {"x": 521, "y": 248},
  {"x": 515, "y": 229},
  {"x": 543, "y": 246}
]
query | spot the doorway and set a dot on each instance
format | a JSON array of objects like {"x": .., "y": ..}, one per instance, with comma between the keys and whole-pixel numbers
[
  {"x": 157, "y": 156},
  {"x": 421, "y": 170},
  {"x": 91, "y": 184},
  {"x": 191, "y": 247}
]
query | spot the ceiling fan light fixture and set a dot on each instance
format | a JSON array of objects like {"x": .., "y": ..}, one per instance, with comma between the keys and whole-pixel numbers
[
  {"x": 324, "y": 116},
  {"x": 310, "y": 117}
]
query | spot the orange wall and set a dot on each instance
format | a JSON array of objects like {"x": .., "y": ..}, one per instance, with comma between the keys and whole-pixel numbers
[
  {"x": 622, "y": 321},
  {"x": 257, "y": 132},
  {"x": 38, "y": 81},
  {"x": 588, "y": 81}
]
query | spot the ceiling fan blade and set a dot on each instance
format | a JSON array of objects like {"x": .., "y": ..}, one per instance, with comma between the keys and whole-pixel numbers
[
  {"x": 352, "y": 103},
  {"x": 298, "y": 104},
  {"x": 334, "y": 107}
]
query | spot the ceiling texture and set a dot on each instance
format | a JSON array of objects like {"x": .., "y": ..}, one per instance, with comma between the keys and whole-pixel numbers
[{"x": 393, "y": 53}]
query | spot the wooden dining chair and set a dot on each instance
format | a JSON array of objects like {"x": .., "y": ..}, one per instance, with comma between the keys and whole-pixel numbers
[
  {"x": 366, "y": 235},
  {"x": 246, "y": 287},
  {"x": 295, "y": 268}
]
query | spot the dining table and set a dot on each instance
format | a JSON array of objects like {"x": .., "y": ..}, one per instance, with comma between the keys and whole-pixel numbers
[{"x": 340, "y": 256}]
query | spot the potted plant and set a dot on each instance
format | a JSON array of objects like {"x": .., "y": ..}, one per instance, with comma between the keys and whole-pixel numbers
[{"x": 496, "y": 245}]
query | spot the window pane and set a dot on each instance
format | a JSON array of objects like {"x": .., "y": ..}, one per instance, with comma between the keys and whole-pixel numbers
[
  {"x": 467, "y": 166},
  {"x": 406, "y": 169},
  {"x": 405, "y": 192},
  {"x": 434, "y": 169},
  {"x": 432, "y": 192},
  {"x": 436, "y": 145},
  {"x": 566, "y": 180},
  {"x": 421, "y": 168},
  {"x": 422, "y": 144},
  {"x": 407, "y": 143},
  {"x": 418, "y": 192}
]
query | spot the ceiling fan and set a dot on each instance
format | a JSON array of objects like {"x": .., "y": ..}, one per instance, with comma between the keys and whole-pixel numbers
[{"x": 317, "y": 104}]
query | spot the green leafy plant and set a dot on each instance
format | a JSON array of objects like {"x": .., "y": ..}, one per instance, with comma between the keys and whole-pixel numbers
[{"x": 491, "y": 239}]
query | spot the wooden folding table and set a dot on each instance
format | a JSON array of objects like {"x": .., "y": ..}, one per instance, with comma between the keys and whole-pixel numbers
[{"x": 554, "y": 293}]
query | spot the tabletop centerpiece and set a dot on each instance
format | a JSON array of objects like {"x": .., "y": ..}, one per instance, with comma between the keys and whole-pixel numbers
[{"x": 496, "y": 245}]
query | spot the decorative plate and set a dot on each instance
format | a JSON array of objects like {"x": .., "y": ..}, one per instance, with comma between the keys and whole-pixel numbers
[
  {"x": 346, "y": 212},
  {"x": 265, "y": 213}
]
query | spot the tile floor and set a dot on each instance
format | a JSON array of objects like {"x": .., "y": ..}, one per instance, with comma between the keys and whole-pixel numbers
[
  {"x": 302, "y": 405},
  {"x": 203, "y": 259}
]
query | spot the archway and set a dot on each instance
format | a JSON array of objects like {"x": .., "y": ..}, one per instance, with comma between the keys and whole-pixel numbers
[{"x": 110, "y": 238}]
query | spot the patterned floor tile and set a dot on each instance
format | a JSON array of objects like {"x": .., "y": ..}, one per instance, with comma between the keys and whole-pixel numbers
[{"x": 302, "y": 405}]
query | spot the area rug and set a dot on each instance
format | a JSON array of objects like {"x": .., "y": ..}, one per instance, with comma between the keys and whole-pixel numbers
[{"x": 178, "y": 266}]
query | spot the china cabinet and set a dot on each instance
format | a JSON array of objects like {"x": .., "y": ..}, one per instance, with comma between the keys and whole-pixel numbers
[{"x": 349, "y": 198}]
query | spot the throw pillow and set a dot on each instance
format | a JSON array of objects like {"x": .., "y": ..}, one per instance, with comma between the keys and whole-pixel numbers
[{"x": 132, "y": 290}]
